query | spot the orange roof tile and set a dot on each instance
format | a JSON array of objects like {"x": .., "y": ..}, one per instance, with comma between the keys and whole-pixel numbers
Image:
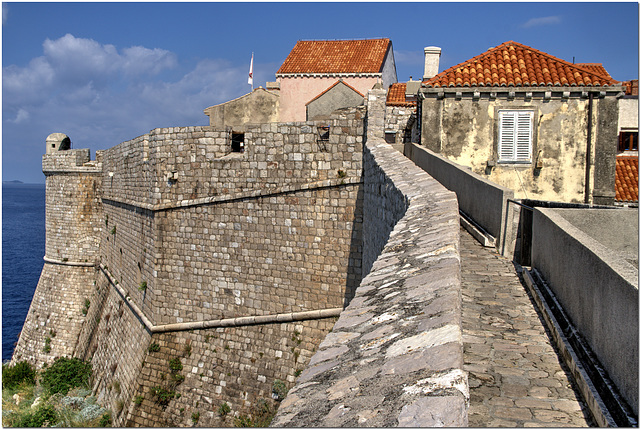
[
  {"x": 596, "y": 68},
  {"x": 336, "y": 56},
  {"x": 396, "y": 96},
  {"x": 626, "y": 178},
  {"x": 514, "y": 64}
]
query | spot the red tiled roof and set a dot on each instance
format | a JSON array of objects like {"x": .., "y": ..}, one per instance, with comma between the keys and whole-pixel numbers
[
  {"x": 328, "y": 89},
  {"x": 396, "y": 96},
  {"x": 596, "y": 68},
  {"x": 336, "y": 56},
  {"x": 514, "y": 64},
  {"x": 626, "y": 178}
]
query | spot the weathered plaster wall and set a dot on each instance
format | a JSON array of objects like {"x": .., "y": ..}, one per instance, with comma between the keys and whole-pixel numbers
[
  {"x": 464, "y": 128},
  {"x": 606, "y": 148},
  {"x": 389, "y": 75},
  {"x": 257, "y": 107},
  {"x": 296, "y": 92},
  {"x": 338, "y": 97},
  {"x": 628, "y": 114},
  {"x": 596, "y": 286}
]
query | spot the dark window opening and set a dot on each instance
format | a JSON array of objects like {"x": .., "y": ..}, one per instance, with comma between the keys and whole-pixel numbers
[
  {"x": 323, "y": 134},
  {"x": 237, "y": 142},
  {"x": 390, "y": 138},
  {"x": 627, "y": 140},
  {"x": 323, "y": 137}
]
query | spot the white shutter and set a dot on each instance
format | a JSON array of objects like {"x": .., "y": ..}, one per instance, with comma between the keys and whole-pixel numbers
[{"x": 515, "y": 135}]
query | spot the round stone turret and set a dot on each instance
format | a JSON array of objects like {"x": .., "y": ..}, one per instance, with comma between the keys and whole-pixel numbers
[{"x": 57, "y": 142}]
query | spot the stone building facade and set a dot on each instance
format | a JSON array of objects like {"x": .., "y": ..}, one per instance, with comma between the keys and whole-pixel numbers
[{"x": 566, "y": 138}]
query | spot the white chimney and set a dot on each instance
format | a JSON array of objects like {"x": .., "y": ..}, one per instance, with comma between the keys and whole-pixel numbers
[{"x": 431, "y": 61}]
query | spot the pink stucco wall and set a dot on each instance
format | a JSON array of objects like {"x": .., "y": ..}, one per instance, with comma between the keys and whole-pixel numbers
[{"x": 296, "y": 92}]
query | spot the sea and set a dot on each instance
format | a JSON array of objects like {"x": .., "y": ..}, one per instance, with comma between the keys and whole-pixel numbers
[{"x": 23, "y": 240}]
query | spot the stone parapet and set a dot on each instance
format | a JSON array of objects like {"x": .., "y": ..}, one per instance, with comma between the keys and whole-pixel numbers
[
  {"x": 70, "y": 161},
  {"x": 394, "y": 357},
  {"x": 170, "y": 165}
]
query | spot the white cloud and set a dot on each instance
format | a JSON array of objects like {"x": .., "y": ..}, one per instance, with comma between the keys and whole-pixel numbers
[
  {"x": 82, "y": 60},
  {"x": 537, "y": 22},
  {"x": 101, "y": 96},
  {"x": 21, "y": 116}
]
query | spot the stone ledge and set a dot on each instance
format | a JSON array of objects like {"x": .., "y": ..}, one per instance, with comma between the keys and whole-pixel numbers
[
  {"x": 217, "y": 323},
  {"x": 254, "y": 193},
  {"x": 394, "y": 357}
]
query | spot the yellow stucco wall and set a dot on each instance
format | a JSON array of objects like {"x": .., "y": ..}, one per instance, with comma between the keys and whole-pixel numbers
[{"x": 466, "y": 132}]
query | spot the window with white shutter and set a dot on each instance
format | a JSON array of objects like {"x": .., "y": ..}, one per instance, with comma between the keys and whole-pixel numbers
[{"x": 515, "y": 135}]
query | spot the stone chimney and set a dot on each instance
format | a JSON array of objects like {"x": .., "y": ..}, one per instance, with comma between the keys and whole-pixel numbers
[{"x": 431, "y": 61}]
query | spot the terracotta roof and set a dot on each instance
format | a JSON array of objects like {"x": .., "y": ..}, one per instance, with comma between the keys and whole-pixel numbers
[
  {"x": 514, "y": 64},
  {"x": 396, "y": 96},
  {"x": 328, "y": 89},
  {"x": 626, "y": 178},
  {"x": 336, "y": 56},
  {"x": 596, "y": 68}
]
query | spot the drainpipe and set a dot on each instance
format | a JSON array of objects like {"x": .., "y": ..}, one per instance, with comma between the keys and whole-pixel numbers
[{"x": 587, "y": 172}]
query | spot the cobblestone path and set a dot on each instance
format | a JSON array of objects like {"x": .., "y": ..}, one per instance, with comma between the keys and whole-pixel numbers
[{"x": 515, "y": 376}]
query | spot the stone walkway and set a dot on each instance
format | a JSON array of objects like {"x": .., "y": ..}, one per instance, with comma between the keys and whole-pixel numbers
[{"x": 515, "y": 376}]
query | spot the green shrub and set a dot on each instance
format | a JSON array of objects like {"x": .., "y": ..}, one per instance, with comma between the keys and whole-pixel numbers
[
  {"x": 105, "y": 420},
  {"x": 279, "y": 390},
  {"x": 20, "y": 372},
  {"x": 163, "y": 396},
  {"x": 175, "y": 364},
  {"x": 195, "y": 417},
  {"x": 263, "y": 413},
  {"x": 243, "y": 421},
  {"x": 154, "y": 347},
  {"x": 44, "y": 414},
  {"x": 65, "y": 374},
  {"x": 224, "y": 409},
  {"x": 138, "y": 400}
]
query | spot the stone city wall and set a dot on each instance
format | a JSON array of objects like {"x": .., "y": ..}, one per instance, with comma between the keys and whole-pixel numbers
[
  {"x": 394, "y": 357},
  {"x": 275, "y": 229},
  {"x": 260, "y": 248},
  {"x": 72, "y": 221},
  {"x": 398, "y": 120}
]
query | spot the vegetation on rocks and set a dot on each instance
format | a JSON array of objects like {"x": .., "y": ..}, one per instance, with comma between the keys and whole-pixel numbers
[{"x": 57, "y": 396}]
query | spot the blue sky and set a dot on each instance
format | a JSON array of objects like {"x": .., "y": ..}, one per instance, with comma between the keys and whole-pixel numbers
[{"x": 104, "y": 73}]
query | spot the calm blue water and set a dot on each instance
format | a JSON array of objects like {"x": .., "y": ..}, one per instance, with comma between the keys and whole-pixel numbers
[{"x": 22, "y": 251}]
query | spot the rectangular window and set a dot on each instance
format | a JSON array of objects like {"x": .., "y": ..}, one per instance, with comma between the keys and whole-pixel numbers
[
  {"x": 515, "y": 135},
  {"x": 627, "y": 140},
  {"x": 237, "y": 142},
  {"x": 390, "y": 138}
]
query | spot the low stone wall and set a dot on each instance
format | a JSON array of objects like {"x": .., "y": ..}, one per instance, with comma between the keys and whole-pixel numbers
[
  {"x": 596, "y": 286},
  {"x": 489, "y": 211},
  {"x": 394, "y": 357}
]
